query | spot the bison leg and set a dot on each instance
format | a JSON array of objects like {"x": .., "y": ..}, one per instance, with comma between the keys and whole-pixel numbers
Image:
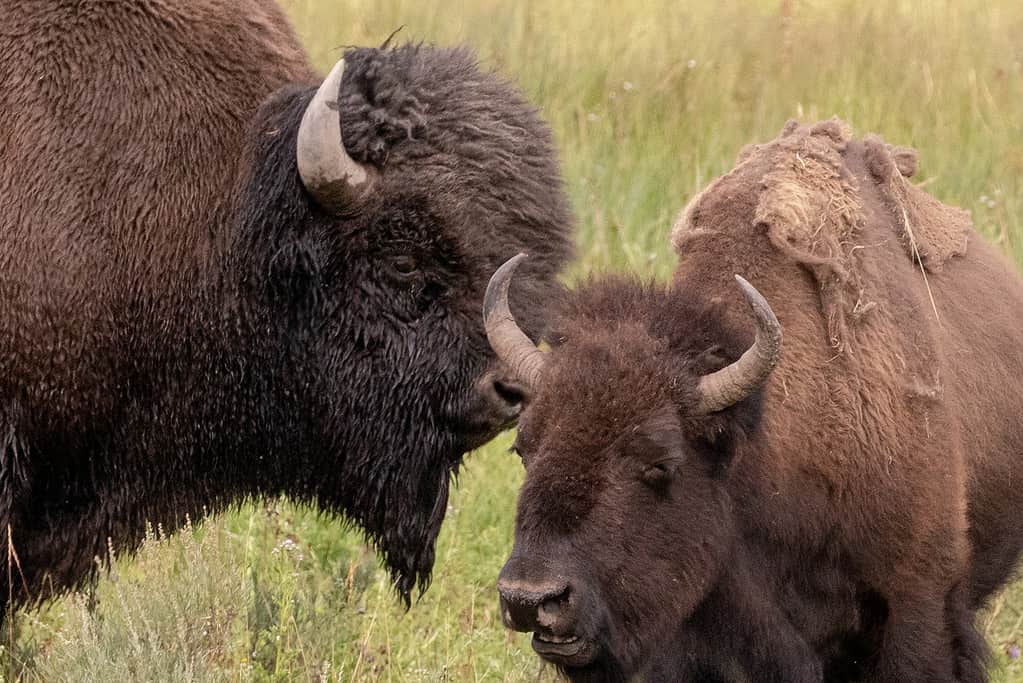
[
  {"x": 969, "y": 649},
  {"x": 741, "y": 624},
  {"x": 915, "y": 645}
]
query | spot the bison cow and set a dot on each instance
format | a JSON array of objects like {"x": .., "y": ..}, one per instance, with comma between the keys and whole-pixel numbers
[
  {"x": 703, "y": 504},
  {"x": 223, "y": 278}
]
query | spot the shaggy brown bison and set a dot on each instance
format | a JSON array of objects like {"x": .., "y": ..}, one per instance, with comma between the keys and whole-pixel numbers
[
  {"x": 221, "y": 278},
  {"x": 700, "y": 504}
]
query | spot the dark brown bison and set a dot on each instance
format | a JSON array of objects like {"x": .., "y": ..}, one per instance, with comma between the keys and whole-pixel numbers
[
  {"x": 700, "y": 504},
  {"x": 221, "y": 278}
]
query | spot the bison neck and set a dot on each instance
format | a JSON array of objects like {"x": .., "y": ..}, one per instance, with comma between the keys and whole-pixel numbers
[
  {"x": 725, "y": 637},
  {"x": 116, "y": 196},
  {"x": 175, "y": 420}
]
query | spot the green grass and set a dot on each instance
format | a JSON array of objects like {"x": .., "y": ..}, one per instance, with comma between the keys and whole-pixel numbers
[{"x": 649, "y": 100}]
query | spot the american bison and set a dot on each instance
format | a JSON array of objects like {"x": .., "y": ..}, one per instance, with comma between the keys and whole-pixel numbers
[
  {"x": 704, "y": 503},
  {"x": 221, "y": 278}
]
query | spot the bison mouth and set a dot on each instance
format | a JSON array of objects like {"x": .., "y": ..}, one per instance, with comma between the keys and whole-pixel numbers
[
  {"x": 566, "y": 651},
  {"x": 473, "y": 435},
  {"x": 493, "y": 405}
]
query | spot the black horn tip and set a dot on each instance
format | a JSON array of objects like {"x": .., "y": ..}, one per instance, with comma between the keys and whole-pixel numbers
[
  {"x": 757, "y": 302},
  {"x": 497, "y": 289},
  {"x": 749, "y": 290}
]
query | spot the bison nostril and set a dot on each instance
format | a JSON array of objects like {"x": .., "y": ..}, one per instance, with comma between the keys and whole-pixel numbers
[
  {"x": 550, "y": 609},
  {"x": 526, "y": 607}
]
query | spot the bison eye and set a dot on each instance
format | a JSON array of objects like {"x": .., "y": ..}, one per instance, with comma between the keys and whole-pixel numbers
[
  {"x": 661, "y": 473},
  {"x": 405, "y": 265}
]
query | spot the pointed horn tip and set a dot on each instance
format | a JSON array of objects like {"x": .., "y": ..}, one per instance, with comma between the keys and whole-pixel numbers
[
  {"x": 336, "y": 70},
  {"x": 496, "y": 296},
  {"x": 761, "y": 309}
]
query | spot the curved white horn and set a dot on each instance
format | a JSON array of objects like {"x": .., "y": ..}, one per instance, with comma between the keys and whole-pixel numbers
[
  {"x": 333, "y": 178},
  {"x": 509, "y": 342}
]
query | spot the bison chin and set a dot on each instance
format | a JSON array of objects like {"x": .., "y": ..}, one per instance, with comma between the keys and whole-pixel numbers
[
  {"x": 409, "y": 539},
  {"x": 400, "y": 505}
]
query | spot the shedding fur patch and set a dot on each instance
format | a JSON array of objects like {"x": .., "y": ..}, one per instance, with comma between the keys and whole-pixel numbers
[
  {"x": 811, "y": 205},
  {"x": 932, "y": 231}
]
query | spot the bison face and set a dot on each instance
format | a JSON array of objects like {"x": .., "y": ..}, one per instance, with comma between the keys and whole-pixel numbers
[
  {"x": 374, "y": 211},
  {"x": 405, "y": 379},
  {"x": 615, "y": 546},
  {"x": 625, "y": 519}
]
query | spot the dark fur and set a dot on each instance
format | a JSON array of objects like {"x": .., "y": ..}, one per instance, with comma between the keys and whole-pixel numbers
[
  {"x": 844, "y": 523},
  {"x": 182, "y": 328}
]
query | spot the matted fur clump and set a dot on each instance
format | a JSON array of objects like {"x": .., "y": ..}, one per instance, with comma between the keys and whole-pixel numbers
[
  {"x": 812, "y": 202},
  {"x": 932, "y": 231}
]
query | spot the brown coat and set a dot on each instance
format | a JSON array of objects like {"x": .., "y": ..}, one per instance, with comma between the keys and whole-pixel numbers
[
  {"x": 843, "y": 521},
  {"x": 186, "y": 322},
  {"x": 913, "y": 375}
]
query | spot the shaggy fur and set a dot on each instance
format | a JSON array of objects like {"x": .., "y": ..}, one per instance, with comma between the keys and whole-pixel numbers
[
  {"x": 846, "y": 521},
  {"x": 182, "y": 328}
]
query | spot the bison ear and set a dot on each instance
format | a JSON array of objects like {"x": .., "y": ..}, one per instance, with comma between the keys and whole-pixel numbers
[
  {"x": 711, "y": 360},
  {"x": 716, "y": 438}
]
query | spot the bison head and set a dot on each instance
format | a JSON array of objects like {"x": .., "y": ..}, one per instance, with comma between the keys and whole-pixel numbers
[
  {"x": 624, "y": 521},
  {"x": 373, "y": 209}
]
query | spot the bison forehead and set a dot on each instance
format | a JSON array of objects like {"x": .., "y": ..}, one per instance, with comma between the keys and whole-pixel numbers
[
  {"x": 439, "y": 127},
  {"x": 559, "y": 493},
  {"x": 598, "y": 383},
  {"x": 433, "y": 110}
]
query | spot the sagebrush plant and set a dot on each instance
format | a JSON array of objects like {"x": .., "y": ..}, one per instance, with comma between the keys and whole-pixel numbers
[{"x": 650, "y": 100}]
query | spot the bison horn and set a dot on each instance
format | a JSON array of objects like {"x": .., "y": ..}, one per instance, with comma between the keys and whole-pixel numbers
[
  {"x": 334, "y": 179},
  {"x": 509, "y": 342},
  {"x": 733, "y": 383}
]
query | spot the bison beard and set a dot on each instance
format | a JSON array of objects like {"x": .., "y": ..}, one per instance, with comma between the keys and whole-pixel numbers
[{"x": 190, "y": 319}]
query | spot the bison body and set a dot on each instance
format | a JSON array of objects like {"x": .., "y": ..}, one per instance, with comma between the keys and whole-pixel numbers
[
  {"x": 838, "y": 516},
  {"x": 220, "y": 279}
]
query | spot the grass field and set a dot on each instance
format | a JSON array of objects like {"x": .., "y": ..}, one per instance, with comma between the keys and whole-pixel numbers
[{"x": 649, "y": 101}]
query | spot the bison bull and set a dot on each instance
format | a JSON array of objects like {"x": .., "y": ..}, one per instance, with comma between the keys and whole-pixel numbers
[
  {"x": 700, "y": 504},
  {"x": 221, "y": 278}
]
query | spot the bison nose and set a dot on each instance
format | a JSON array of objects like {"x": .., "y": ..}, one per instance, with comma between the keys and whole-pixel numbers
[
  {"x": 533, "y": 607},
  {"x": 503, "y": 397}
]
